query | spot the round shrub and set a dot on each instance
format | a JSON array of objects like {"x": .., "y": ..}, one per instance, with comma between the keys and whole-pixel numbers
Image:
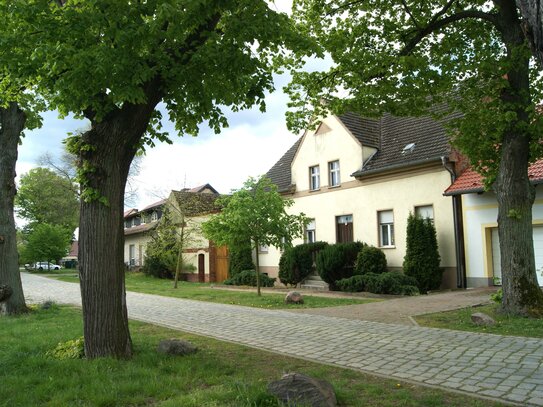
[
  {"x": 156, "y": 267},
  {"x": 296, "y": 262},
  {"x": 248, "y": 277},
  {"x": 372, "y": 283},
  {"x": 371, "y": 260},
  {"x": 336, "y": 261}
]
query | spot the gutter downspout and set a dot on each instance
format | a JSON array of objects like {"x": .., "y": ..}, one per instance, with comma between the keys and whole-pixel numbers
[{"x": 458, "y": 230}]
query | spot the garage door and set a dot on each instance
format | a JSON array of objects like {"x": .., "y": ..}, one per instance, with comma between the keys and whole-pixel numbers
[{"x": 538, "y": 250}]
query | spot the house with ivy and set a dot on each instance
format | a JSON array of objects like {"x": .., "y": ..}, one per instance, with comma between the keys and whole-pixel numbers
[{"x": 186, "y": 209}]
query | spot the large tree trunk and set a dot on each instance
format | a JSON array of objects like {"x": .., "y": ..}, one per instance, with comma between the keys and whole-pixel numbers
[
  {"x": 532, "y": 13},
  {"x": 515, "y": 194},
  {"x": 12, "y": 121},
  {"x": 113, "y": 143}
]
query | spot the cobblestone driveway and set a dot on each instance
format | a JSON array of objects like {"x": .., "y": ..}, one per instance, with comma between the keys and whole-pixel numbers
[{"x": 501, "y": 367}]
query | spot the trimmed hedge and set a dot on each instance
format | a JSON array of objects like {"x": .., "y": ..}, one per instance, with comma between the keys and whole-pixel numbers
[
  {"x": 240, "y": 258},
  {"x": 422, "y": 258},
  {"x": 371, "y": 260},
  {"x": 336, "y": 262},
  {"x": 385, "y": 283},
  {"x": 296, "y": 262},
  {"x": 248, "y": 277}
]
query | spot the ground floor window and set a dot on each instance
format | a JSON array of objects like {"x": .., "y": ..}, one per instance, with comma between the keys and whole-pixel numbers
[
  {"x": 310, "y": 232},
  {"x": 386, "y": 228}
]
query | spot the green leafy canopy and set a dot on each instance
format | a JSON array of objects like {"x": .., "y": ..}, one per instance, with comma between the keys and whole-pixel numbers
[
  {"x": 256, "y": 212},
  {"x": 411, "y": 57}
]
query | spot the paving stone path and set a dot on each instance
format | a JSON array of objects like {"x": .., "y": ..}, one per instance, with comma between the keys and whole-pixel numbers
[{"x": 506, "y": 368}]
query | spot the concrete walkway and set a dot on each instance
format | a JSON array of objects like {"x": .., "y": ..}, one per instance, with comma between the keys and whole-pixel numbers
[
  {"x": 505, "y": 368},
  {"x": 401, "y": 310}
]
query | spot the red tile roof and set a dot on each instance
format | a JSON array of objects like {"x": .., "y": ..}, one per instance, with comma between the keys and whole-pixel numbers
[{"x": 470, "y": 181}]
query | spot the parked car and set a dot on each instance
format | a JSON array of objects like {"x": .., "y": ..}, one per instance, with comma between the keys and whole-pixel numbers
[{"x": 44, "y": 265}]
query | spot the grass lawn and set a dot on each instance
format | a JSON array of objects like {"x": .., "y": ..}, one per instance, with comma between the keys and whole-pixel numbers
[
  {"x": 219, "y": 374},
  {"x": 204, "y": 292},
  {"x": 505, "y": 325}
]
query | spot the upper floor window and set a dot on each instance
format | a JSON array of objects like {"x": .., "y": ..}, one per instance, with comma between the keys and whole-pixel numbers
[
  {"x": 314, "y": 178},
  {"x": 425, "y": 212},
  {"x": 310, "y": 232},
  {"x": 154, "y": 216},
  {"x": 263, "y": 248},
  {"x": 128, "y": 223},
  {"x": 333, "y": 171},
  {"x": 386, "y": 228}
]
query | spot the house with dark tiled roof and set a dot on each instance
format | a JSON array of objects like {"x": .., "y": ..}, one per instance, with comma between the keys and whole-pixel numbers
[
  {"x": 359, "y": 178},
  {"x": 187, "y": 208},
  {"x": 479, "y": 214}
]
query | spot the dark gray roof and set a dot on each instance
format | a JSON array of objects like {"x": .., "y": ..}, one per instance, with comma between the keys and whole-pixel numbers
[
  {"x": 390, "y": 135},
  {"x": 365, "y": 130},
  {"x": 280, "y": 174},
  {"x": 407, "y": 141}
]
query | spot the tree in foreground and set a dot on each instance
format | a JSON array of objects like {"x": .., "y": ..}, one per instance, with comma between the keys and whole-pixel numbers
[
  {"x": 443, "y": 57},
  {"x": 12, "y": 123},
  {"x": 255, "y": 213},
  {"x": 115, "y": 63}
]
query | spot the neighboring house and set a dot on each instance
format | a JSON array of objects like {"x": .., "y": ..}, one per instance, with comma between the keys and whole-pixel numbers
[
  {"x": 188, "y": 207},
  {"x": 480, "y": 214},
  {"x": 358, "y": 179},
  {"x": 70, "y": 260}
]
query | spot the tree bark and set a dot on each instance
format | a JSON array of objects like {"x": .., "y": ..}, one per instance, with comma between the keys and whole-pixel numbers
[
  {"x": 12, "y": 122},
  {"x": 532, "y": 13},
  {"x": 515, "y": 193},
  {"x": 113, "y": 143},
  {"x": 257, "y": 266}
]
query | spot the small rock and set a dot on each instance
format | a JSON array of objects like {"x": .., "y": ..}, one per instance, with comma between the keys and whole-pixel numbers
[
  {"x": 294, "y": 297},
  {"x": 480, "y": 318},
  {"x": 176, "y": 347},
  {"x": 5, "y": 292},
  {"x": 296, "y": 388}
]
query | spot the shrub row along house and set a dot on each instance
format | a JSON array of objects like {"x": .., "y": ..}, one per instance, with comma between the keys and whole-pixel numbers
[
  {"x": 358, "y": 179},
  {"x": 186, "y": 209}
]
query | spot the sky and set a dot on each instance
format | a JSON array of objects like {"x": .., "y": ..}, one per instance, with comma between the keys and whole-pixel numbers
[{"x": 250, "y": 146}]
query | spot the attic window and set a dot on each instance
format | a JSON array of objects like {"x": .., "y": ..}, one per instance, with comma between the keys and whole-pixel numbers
[{"x": 408, "y": 148}]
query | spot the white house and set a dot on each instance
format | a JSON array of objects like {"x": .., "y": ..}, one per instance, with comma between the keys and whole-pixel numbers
[
  {"x": 479, "y": 215},
  {"x": 358, "y": 179}
]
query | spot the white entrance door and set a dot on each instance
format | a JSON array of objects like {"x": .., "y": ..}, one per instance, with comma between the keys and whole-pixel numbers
[{"x": 538, "y": 250}]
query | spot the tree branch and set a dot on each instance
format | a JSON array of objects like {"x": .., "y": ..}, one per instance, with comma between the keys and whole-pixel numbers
[
  {"x": 435, "y": 25},
  {"x": 408, "y": 11}
]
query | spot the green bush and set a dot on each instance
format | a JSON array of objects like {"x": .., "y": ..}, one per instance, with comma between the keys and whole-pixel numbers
[
  {"x": 296, "y": 262},
  {"x": 371, "y": 260},
  {"x": 422, "y": 259},
  {"x": 335, "y": 262},
  {"x": 74, "y": 349},
  {"x": 240, "y": 258},
  {"x": 385, "y": 283},
  {"x": 155, "y": 266},
  {"x": 497, "y": 297},
  {"x": 248, "y": 277}
]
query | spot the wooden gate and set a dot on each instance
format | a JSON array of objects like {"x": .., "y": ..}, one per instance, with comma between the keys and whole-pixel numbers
[{"x": 218, "y": 262}]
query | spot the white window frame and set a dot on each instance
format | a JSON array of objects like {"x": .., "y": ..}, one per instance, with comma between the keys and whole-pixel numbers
[
  {"x": 334, "y": 175},
  {"x": 422, "y": 210},
  {"x": 154, "y": 216},
  {"x": 385, "y": 219},
  {"x": 263, "y": 248},
  {"x": 311, "y": 232},
  {"x": 314, "y": 178}
]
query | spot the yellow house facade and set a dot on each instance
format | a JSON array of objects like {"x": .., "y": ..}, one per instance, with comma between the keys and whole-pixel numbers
[{"x": 358, "y": 179}]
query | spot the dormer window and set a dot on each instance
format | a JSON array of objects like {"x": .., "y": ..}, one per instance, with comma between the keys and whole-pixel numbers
[
  {"x": 409, "y": 148},
  {"x": 154, "y": 216}
]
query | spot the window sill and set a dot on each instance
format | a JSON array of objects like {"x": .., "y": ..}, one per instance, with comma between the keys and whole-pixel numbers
[
  {"x": 387, "y": 247},
  {"x": 314, "y": 190},
  {"x": 334, "y": 186}
]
